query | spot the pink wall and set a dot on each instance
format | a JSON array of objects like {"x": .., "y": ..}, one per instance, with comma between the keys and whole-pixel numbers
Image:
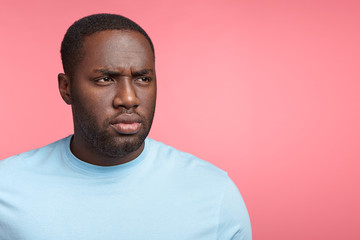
[{"x": 267, "y": 90}]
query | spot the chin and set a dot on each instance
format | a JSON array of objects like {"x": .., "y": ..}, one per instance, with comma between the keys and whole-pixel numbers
[{"x": 119, "y": 146}]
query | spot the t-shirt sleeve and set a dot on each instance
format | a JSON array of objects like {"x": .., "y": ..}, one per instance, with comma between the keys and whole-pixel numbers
[{"x": 234, "y": 221}]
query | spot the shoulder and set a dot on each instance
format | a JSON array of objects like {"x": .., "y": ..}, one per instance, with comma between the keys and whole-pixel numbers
[
  {"x": 187, "y": 168},
  {"x": 172, "y": 157},
  {"x": 204, "y": 183},
  {"x": 30, "y": 158}
]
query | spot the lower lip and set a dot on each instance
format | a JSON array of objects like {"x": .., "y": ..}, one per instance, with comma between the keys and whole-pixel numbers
[{"x": 126, "y": 128}]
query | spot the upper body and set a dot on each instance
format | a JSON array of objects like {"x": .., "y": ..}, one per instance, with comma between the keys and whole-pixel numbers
[
  {"x": 48, "y": 193},
  {"x": 109, "y": 80}
]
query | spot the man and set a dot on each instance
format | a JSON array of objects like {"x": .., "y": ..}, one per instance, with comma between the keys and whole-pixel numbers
[{"x": 108, "y": 180}]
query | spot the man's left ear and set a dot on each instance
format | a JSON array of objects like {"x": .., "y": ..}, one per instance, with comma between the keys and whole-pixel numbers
[{"x": 64, "y": 87}]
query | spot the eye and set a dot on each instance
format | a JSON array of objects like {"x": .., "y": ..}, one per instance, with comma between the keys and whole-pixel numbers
[
  {"x": 104, "y": 81},
  {"x": 144, "y": 79}
]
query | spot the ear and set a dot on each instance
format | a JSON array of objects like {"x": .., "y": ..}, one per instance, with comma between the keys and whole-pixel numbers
[{"x": 64, "y": 87}]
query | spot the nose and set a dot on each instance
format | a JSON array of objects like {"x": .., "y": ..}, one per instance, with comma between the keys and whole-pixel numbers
[{"x": 125, "y": 94}]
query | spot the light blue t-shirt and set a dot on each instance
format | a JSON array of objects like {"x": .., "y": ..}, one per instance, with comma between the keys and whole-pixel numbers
[{"x": 49, "y": 194}]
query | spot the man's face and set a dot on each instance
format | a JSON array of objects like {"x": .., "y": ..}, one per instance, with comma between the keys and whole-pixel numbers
[{"x": 113, "y": 92}]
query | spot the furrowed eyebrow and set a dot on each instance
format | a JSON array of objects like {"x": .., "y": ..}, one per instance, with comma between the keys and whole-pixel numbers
[
  {"x": 107, "y": 72},
  {"x": 141, "y": 72},
  {"x": 116, "y": 73}
]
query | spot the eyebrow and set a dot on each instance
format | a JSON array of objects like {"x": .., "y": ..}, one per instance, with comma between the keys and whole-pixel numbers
[
  {"x": 142, "y": 72},
  {"x": 108, "y": 72}
]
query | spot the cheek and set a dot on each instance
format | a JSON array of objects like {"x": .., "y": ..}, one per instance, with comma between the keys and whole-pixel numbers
[
  {"x": 96, "y": 105},
  {"x": 148, "y": 100}
]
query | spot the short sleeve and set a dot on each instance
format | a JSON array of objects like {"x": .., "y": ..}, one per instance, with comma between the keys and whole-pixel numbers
[{"x": 234, "y": 221}]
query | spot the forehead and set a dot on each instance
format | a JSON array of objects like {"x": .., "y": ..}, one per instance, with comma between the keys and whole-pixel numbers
[{"x": 117, "y": 48}]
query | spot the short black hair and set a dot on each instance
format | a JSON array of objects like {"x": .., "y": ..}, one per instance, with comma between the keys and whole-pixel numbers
[{"x": 72, "y": 45}]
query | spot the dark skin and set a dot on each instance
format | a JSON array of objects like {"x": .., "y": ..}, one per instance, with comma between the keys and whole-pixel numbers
[{"x": 112, "y": 93}]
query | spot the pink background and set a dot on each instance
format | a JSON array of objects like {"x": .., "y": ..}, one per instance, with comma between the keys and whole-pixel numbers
[{"x": 267, "y": 90}]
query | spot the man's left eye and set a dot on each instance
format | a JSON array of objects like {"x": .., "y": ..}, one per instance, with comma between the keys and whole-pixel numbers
[{"x": 144, "y": 79}]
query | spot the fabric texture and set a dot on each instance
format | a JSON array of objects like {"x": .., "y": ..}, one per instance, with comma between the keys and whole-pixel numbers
[{"x": 48, "y": 193}]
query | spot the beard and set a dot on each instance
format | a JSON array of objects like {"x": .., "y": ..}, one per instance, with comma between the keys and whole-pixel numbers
[{"x": 101, "y": 140}]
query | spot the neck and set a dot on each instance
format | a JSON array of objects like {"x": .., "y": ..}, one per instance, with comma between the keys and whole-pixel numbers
[{"x": 83, "y": 151}]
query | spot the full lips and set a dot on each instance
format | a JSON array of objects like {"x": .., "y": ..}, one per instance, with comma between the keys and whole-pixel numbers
[
  {"x": 127, "y": 123},
  {"x": 127, "y": 128}
]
